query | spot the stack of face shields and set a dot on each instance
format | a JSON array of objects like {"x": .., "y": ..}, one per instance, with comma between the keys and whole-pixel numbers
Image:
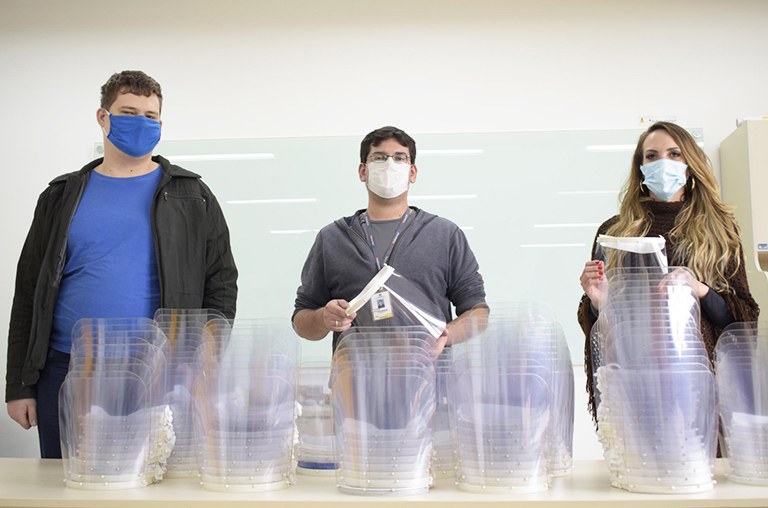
[
  {"x": 245, "y": 399},
  {"x": 383, "y": 397},
  {"x": 654, "y": 383},
  {"x": 443, "y": 454},
  {"x": 390, "y": 299},
  {"x": 314, "y": 453},
  {"x": 513, "y": 403},
  {"x": 741, "y": 356},
  {"x": 184, "y": 331},
  {"x": 116, "y": 432}
]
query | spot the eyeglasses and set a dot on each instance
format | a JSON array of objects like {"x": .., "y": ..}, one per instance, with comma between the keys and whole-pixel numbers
[{"x": 399, "y": 157}]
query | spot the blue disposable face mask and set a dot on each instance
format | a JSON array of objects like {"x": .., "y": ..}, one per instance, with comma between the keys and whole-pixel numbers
[
  {"x": 664, "y": 177},
  {"x": 134, "y": 135}
]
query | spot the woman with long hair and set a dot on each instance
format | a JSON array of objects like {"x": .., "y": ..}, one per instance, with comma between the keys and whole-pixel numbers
[{"x": 671, "y": 192}]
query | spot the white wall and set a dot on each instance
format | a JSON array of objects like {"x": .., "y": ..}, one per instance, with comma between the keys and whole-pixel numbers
[{"x": 233, "y": 69}]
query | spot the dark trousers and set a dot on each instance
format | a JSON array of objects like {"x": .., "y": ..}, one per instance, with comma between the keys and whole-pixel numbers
[{"x": 51, "y": 378}]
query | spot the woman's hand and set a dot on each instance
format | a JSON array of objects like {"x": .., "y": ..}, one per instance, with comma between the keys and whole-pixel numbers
[
  {"x": 593, "y": 282},
  {"x": 686, "y": 276}
]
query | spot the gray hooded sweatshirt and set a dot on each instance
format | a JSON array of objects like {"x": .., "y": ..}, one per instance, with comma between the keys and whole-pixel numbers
[{"x": 431, "y": 252}]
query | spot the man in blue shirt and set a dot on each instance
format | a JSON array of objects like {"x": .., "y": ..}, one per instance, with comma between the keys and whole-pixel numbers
[{"x": 125, "y": 235}]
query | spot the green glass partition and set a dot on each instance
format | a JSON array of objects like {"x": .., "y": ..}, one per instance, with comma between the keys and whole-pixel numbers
[{"x": 529, "y": 203}]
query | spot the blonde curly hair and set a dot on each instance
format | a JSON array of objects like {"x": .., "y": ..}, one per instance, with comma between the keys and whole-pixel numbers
[{"x": 705, "y": 233}]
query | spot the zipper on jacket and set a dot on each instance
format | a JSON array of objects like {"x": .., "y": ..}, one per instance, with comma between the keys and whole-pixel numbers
[
  {"x": 360, "y": 237},
  {"x": 63, "y": 250},
  {"x": 153, "y": 221},
  {"x": 166, "y": 195}
]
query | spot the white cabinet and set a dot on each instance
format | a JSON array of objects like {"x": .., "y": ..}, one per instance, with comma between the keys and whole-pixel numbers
[{"x": 744, "y": 181}]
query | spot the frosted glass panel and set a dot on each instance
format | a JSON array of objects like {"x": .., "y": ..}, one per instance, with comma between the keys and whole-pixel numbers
[{"x": 529, "y": 203}]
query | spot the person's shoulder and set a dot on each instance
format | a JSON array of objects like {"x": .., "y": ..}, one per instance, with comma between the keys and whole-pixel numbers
[
  {"x": 426, "y": 219},
  {"x": 62, "y": 179},
  {"x": 349, "y": 220},
  {"x": 607, "y": 224},
  {"x": 174, "y": 170}
]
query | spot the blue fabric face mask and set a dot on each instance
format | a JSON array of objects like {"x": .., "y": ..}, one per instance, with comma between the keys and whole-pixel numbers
[
  {"x": 664, "y": 177},
  {"x": 133, "y": 135}
]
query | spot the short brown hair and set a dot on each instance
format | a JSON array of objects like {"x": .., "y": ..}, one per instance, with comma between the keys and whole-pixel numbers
[
  {"x": 382, "y": 134},
  {"x": 135, "y": 82}
]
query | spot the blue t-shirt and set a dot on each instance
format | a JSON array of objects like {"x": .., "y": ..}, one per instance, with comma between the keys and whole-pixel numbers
[{"x": 111, "y": 269}]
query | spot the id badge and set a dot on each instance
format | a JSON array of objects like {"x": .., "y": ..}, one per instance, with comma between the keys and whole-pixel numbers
[{"x": 381, "y": 306}]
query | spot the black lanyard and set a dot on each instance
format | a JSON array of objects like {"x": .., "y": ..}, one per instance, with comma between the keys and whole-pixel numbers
[{"x": 366, "y": 224}]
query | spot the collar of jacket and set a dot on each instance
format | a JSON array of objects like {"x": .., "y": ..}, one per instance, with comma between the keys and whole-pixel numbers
[{"x": 169, "y": 169}]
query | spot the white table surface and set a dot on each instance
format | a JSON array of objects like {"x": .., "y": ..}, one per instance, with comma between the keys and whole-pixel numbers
[{"x": 38, "y": 483}]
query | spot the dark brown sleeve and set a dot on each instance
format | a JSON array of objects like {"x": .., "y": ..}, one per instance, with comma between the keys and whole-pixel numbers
[
  {"x": 740, "y": 302},
  {"x": 586, "y": 319}
]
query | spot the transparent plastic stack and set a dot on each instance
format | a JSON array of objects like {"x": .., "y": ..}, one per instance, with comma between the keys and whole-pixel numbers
[
  {"x": 513, "y": 402},
  {"x": 654, "y": 383},
  {"x": 741, "y": 356},
  {"x": 383, "y": 398},
  {"x": 116, "y": 430},
  {"x": 443, "y": 443},
  {"x": 184, "y": 331},
  {"x": 245, "y": 399},
  {"x": 314, "y": 422}
]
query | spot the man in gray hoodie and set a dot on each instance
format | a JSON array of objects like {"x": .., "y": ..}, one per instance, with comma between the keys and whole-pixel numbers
[{"x": 429, "y": 251}]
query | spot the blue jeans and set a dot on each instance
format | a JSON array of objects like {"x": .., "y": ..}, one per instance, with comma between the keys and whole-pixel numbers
[{"x": 51, "y": 379}]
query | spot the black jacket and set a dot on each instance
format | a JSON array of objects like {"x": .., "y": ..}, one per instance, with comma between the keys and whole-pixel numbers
[{"x": 196, "y": 269}]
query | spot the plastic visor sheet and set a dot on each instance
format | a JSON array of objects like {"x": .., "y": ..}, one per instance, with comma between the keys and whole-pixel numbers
[
  {"x": 183, "y": 369},
  {"x": 523, "y": 338},
  {"x": 276, "y": 333},
  {"x": 377, "y": 461},
  {"x": 110, "y": 355},
  {"x": 655, "y": 429},
  {"x": 502, "y": 438},
  {"x": 632, "y": 252},
  {"x": 314, "y": 421},
  {"x": 390, "y": 299},
  {"x": 246, "y": 400},
  {"x": 631, "y": 344},
  {"x": 111, "y": 438},
  {"x": 740, "y": 358},
  {"x": 665, "y": 302},
  {"x": 144, "y": 360},
  {"x": 389, "y": 336},
  {"x": 516, "y": 338},
  {"x": 653, "y": 350},
  {"x": 669, "y": 296},
  {"x": 645, "y": 346},
  {"x": 670, "y": 291},
  {"x": 673, "y": 295},
  {"x": 383, "y": 397},
  {"x": 443, "y": 457},
  {"x": 92, "y": 329},
  {"x": 179, "y": 325},
  {"x": 502, "y": 424},
  {"x": 373, "y": 349}
]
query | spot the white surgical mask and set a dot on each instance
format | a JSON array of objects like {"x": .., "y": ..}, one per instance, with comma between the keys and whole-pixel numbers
[
  {"x": 388, "y": 179},
  {"x": 664, "y": 177}
]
